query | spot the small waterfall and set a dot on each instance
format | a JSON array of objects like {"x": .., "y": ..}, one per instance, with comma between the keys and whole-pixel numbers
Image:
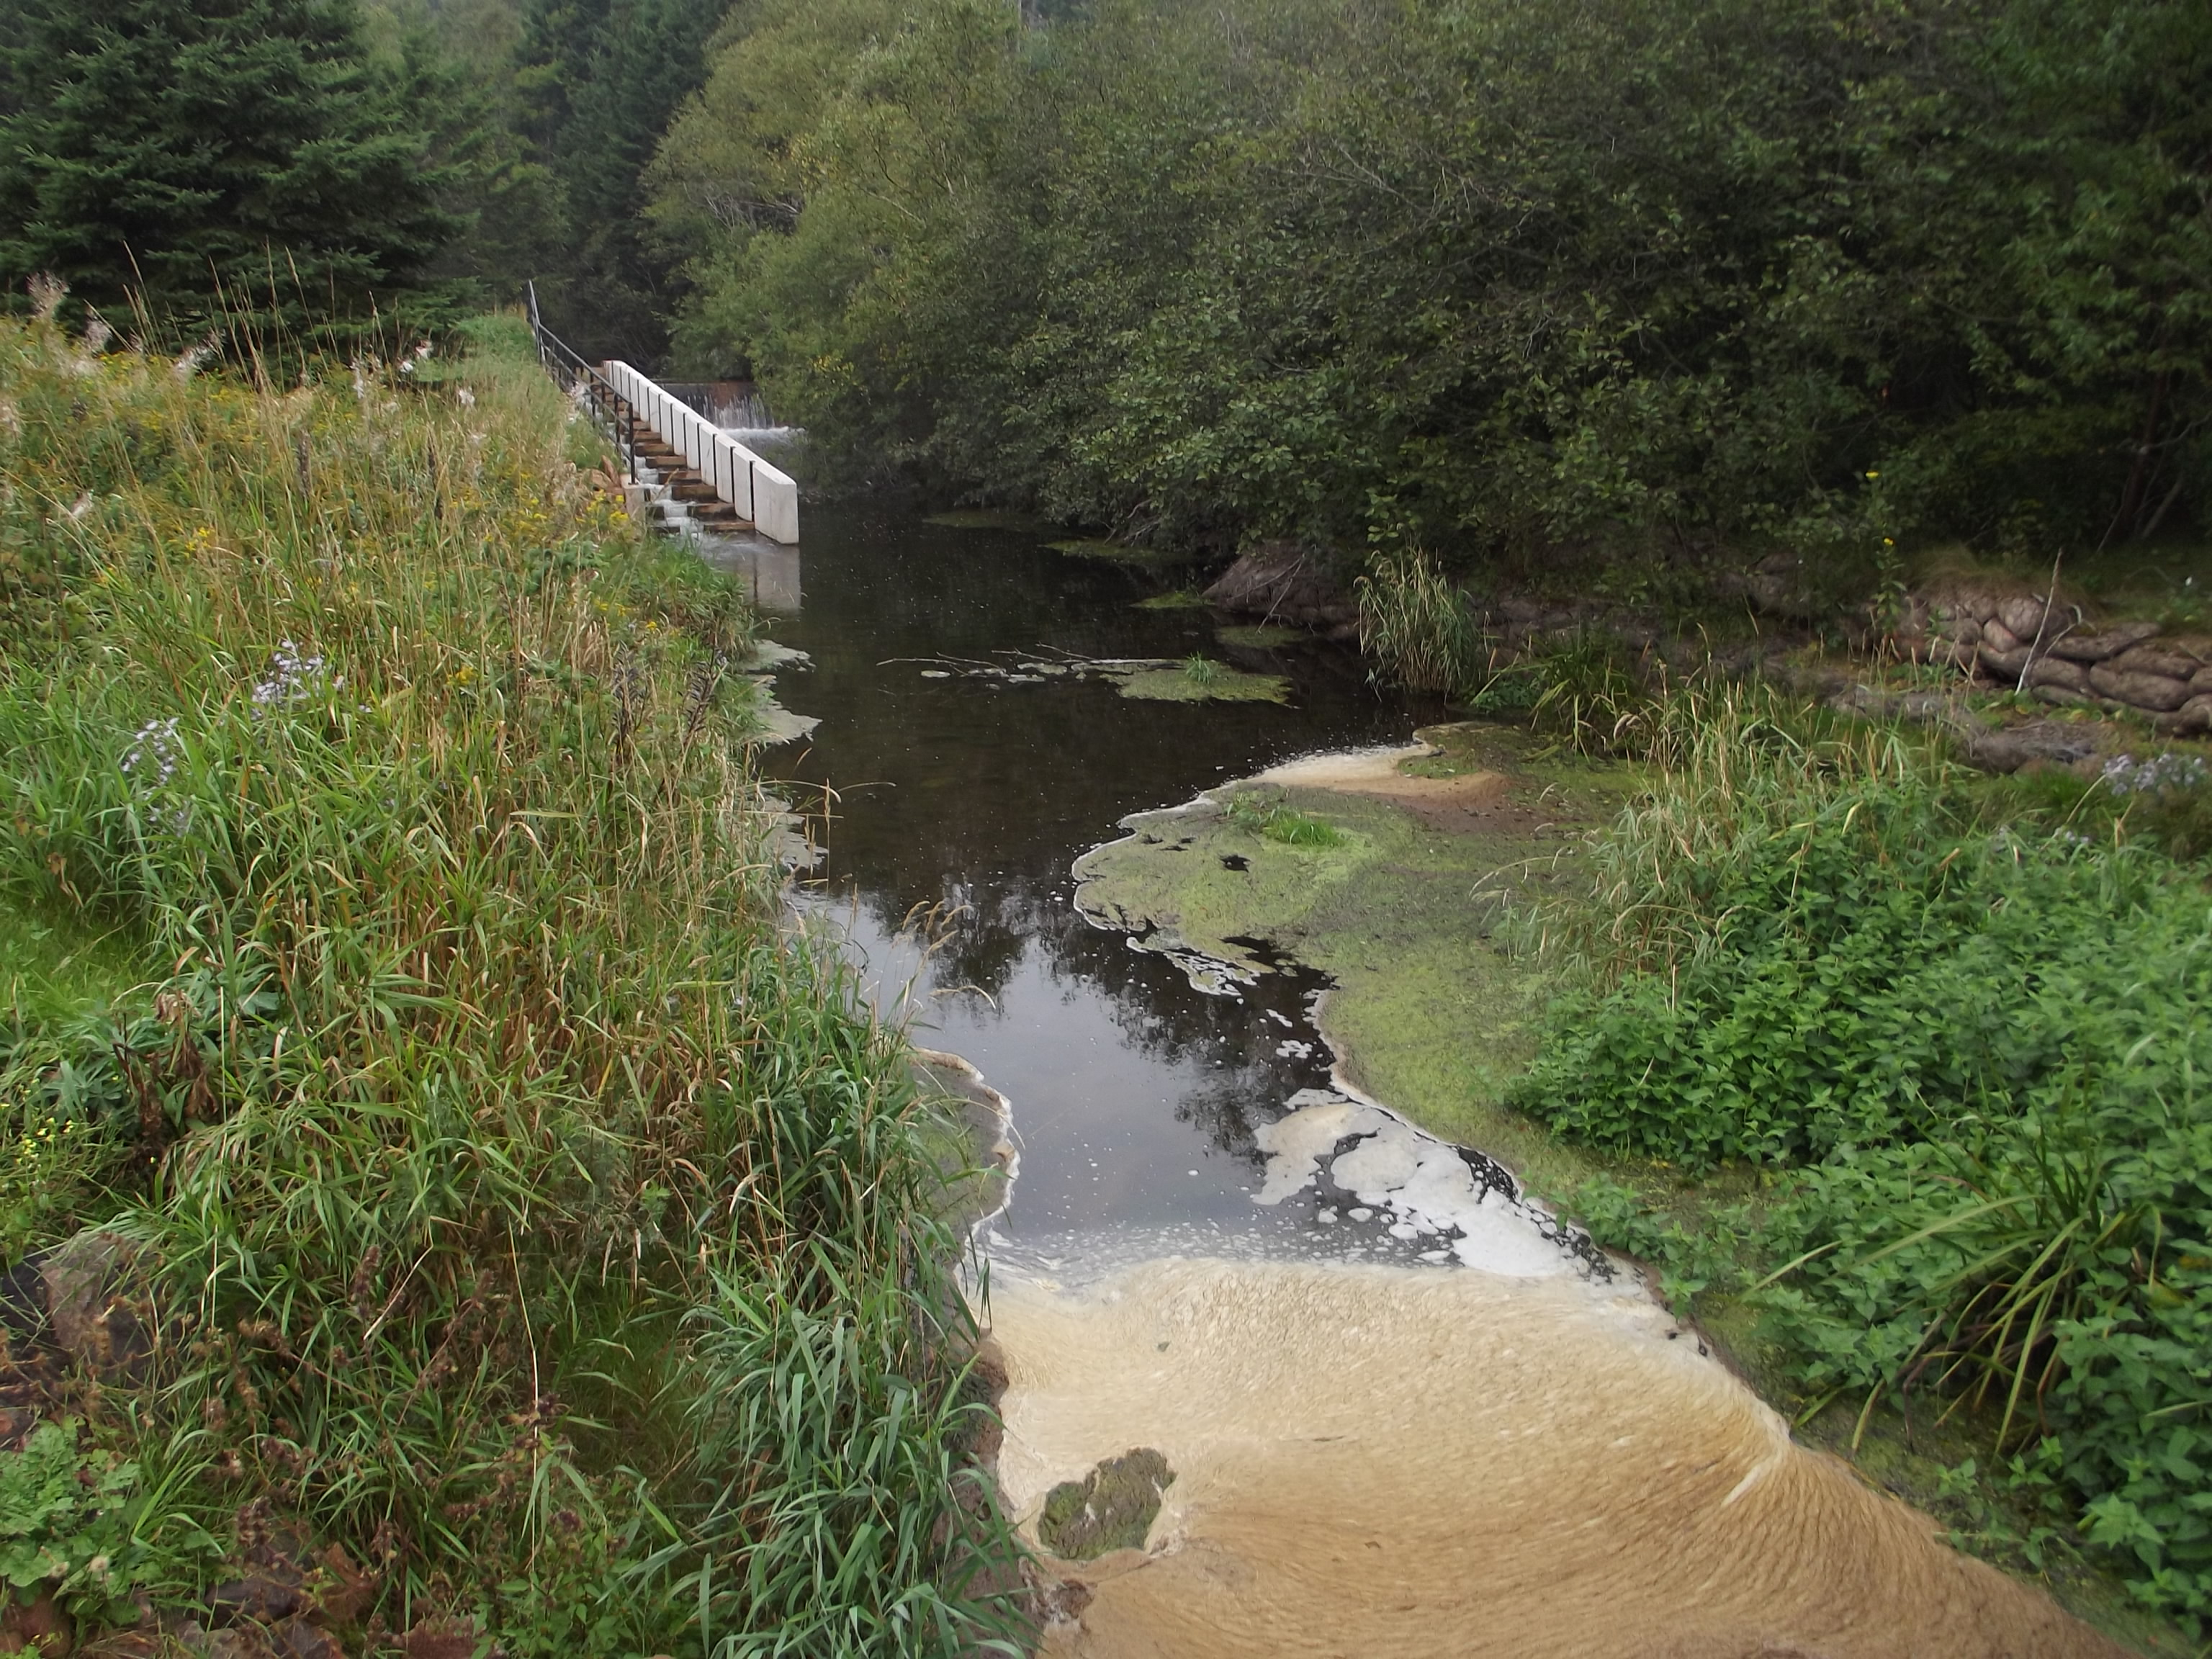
[
  {"x": 664, "y": 510},
  {"x": 733, "y": 405},
  {"x": 747, "y": 413}
]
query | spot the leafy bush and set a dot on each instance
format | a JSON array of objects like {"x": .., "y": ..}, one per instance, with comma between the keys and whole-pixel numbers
[
  {"x": 1971, "y": 1054},
  {"x": 1845, "y": 998},
  {"x": 69, "y": 1523}
]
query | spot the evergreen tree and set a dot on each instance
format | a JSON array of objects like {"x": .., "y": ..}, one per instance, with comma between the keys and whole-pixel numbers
[
  {"x": 171, "y": 147},
  {"x": 599, "y": 81}
]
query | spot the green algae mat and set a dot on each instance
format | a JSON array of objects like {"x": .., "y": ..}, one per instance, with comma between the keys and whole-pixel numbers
[{"x": 1398, "y": 874}]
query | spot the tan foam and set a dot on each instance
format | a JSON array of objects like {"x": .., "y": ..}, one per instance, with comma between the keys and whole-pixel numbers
[
  {"x": 1442, "y": 1464},
  {"x": 1447, "y": 802}
]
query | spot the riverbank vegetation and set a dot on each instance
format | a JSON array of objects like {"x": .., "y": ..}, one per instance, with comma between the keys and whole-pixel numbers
[
  {"x": 1623, "y": 284},
  {"x": 1903, "y": 1068},
  {"x": 526, "y": 1240}
]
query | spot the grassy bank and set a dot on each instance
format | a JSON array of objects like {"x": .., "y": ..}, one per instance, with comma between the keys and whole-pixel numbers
[
  {"x": 535, "y": 1244},
  {"x": 1902, "y": 1068}
]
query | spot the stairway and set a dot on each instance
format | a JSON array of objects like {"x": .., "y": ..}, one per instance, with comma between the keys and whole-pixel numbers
[
  {"x": 667, "y": 442},
  {"x": 683, "y": 484}
]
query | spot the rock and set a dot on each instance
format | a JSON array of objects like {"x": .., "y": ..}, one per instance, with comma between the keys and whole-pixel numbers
[
  {"x": 1921, "y": 706},
  {"x": 1995, "y": 636},
  {"x": 986, "y": 1371},
  {"x": 2045, "y": 742},
  {"x": 298, "y": 1640},
  {"x": 38, "y": 1625},
  {"x": 2057, "y": 671},
  {"x": 1285, "y": 582},
  {"x": 1965, "y": 630},
  {"x": 1778, "y": 586},
  {"x": 1054, "y": 1600},
  {"x": 2095, "y": 644},
  {"x": 440, "y": 1638},
  {"x": 96, "y": 1311},
  {"x": 1937, "y": 645},
  {"x": 2002, "y": 665},
  {"x": 2025, "y": 615},
  {"x": 268, "y": 1595},
  {"x": 342, "y": 1591},
  {"x": 2158, "y": 659},
  {"x": 2192, "y": 717},
  {"x": 1957, "y": 599},
  {"x": 1111, "y": 1508},
  {"x": 2157, "y": 692},
  {"x": 2200, "y": 682},
  {"x": 23, "y": 1300},
  {"x": 2060, "y": 696}
]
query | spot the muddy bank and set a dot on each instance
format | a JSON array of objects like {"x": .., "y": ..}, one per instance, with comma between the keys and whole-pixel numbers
[{"x": 1456, "y": 1464}]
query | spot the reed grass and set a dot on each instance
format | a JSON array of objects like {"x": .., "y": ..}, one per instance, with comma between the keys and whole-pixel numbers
[
  {"x": 536, "y": 1216},
  {"x": 1419, "y": 627}
]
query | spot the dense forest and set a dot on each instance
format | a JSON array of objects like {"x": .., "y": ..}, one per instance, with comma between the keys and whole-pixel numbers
[{"x": 1494, "y": 280}]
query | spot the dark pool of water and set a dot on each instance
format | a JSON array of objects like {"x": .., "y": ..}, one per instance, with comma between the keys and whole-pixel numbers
[{"x": 1135, "y": 1096}]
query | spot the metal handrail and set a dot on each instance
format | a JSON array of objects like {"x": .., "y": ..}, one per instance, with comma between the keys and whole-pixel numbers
[{"x": 615, "y": 415}]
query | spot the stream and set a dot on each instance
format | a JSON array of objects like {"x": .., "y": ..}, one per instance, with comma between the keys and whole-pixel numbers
[
  {"x": 1377, "y": 1447},
  {"x": 955, "y": 802}
]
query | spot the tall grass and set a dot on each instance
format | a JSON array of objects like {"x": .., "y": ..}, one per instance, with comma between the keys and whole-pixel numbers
[
  {"x": 499, "y": 1145},
  {"x": 1421, "y": 630},
  {"x": 1744, "y": 776},
  {"x": 1418, "y": 626}
]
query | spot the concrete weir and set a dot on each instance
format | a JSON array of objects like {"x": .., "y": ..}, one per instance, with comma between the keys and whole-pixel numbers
[{"x": 709, "y": 463}]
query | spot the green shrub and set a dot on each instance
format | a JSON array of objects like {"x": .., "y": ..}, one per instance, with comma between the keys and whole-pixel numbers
[
  {"x": 1970, "y": 1055},
  {"x": 76, "y": 1524}
]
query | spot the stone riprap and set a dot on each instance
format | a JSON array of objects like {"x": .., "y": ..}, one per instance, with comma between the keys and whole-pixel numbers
[{"x": 2062, "y": 655}]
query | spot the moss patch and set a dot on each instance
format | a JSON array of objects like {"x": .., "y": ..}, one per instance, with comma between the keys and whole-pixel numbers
[
  {"x": 1259, "y": 636},
  {"x": 1432, "y": 1011},
  {"x": 1221, "y": 685},
  {"x": 1176, "y": 599},
  {"x": 1128, "y": 553},
  {"x": 1111, "y": 1508}
]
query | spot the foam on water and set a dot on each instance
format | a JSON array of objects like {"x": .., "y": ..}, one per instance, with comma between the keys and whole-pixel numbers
[{"x": 1411, "y": 1464}]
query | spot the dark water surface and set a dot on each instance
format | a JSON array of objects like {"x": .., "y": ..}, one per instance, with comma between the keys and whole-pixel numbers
[{"x": 1134, "y": 1095}]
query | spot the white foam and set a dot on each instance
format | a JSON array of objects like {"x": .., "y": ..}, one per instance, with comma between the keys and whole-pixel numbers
[{"x": 1420, "y": 1185}]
